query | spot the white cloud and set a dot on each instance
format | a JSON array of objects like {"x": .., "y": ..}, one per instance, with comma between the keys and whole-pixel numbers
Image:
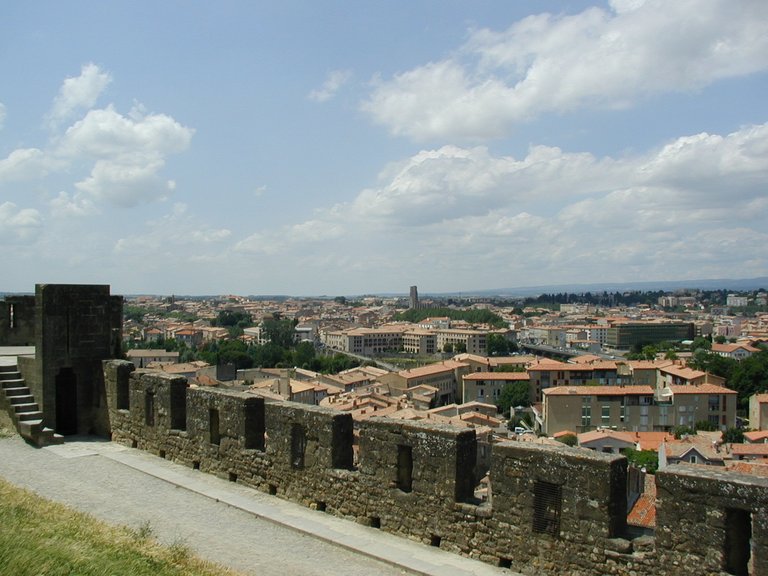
[
  {"x": 176, "y": 236},
  {"x": 109, "y": 157},
  {"x": 455, "y": 212},
  {"x": 596, "y": 58},
  {"x": 22, "y": 164},
  {"x": 79, "y": 93},
  {"x": 65, "y": 206},
  {"x": 333, "y": 83},
  {"x": 129, "y": 153},
  {"x": 310, "y": 234},
  {"x": 18, "y": 226}
]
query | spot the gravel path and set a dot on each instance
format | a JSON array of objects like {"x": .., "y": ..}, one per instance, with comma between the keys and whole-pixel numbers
[{"x": 215, "y": 531}]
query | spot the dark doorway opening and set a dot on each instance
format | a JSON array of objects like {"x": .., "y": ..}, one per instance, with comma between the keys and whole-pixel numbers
[
  {"x": 66, "y": 402},
  {"x": 405, "y": 468},
  {"x": 738, "y": 533}
]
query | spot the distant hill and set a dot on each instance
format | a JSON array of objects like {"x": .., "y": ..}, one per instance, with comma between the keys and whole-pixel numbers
[{"x": 665, "y": 285}]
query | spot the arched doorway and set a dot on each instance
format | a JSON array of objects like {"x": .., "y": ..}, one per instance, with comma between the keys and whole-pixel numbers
[{"x": 66, "y": 402}]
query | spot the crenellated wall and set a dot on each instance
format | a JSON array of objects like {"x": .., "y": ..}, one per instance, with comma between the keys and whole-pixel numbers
[{"x": 551, "y": 511}]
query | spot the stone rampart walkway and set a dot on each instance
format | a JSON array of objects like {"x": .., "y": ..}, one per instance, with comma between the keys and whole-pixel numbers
[{"x": 221, "y": 521}]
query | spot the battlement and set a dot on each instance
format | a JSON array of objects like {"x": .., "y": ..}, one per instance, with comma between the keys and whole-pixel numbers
[{"x": 550, "y": 510}]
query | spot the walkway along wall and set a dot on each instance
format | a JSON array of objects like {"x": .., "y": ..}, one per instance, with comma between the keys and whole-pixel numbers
[{"x": 552, "y": 511}]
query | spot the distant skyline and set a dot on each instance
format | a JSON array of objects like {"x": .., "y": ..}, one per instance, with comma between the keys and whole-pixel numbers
[{"x": 338, "y": 147}]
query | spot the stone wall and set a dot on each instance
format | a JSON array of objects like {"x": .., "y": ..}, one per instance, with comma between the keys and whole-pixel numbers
[
  {"x": 17, "y": 321},
  {"x": 76, "y": 328},
  {"x": 703, "y": 515},
  {"x": 552, "y": 510}
]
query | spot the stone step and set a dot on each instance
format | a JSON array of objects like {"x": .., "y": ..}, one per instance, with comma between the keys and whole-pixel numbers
[
  {"x": 28, "y": 416},
  {"x": 49, "y": 436},
  {"x": 20, "y": 391},
  {"x": 8, "y": 368},
  {"x": 31, "y": 429},
  {"x": 13, "y": 383},
  {"x": 10, "y": 375},
  {"x": 23, "y": 408},
  {"x": 27, "y": 399}
]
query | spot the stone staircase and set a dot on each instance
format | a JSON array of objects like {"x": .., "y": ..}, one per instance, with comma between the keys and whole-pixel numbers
[{"x": 22, "y": 408}]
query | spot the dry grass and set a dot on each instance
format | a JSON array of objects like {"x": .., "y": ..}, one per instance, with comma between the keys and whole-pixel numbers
[{"x": 42, "y": 538}]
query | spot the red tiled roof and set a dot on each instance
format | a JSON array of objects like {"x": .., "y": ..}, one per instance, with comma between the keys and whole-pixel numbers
[
  {"x": 701, "y": 389},
  {"x": 750, "y": 449},
  {"x": 513, "y": 376},
  {"x": 586, "y": 437},
  {"x": 599, "y": 391},
  {"x": 643, "y": 513},
  {"x": 757, "y": 436},
  {"x": 756, "y": 468}
]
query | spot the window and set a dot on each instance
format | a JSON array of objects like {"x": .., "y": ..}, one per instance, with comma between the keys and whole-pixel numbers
[
  {"x": 122, "y": 394},
  {"x": 178, "y": 406},
  {"x": 298, "y": 446},
  {"x": 605, "y": 414},
  {"x": 149, "y": 408},
  {"x": 213, "y": 426},
  {"x": 738, "y": 533},
  {"x": 547, "y": 505},
  {"x": 254, "y": 424},
  {"x": 405, "y": 468},
  {"x": 586, "y": 412}
]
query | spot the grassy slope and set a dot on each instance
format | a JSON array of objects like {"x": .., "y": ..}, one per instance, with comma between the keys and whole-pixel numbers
[{"x": 42, "y": 538}]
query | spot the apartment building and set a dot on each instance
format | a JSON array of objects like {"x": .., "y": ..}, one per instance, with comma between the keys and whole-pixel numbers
[
  {"x": 487, "y": 386},
  {"x": 479, "y": 363},
  {"x": 419, "y": 341},
  {"x": 675, "y": 374},
  {"x": 444, "y": 376},
  {"x": 551, "y": 373},
  {"x": 736, "y": 351},
  {"x": 472, "y": 341},
  {"x": 624, "y": 335},
  {"x": 142, "y": 358},
  {"x": 366, "y": 341},
  {"x": 636, "y": 408},
  {"x": 758, "y": 412}
]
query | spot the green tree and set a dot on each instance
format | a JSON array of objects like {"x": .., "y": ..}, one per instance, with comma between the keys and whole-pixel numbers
[
  {"x": 234, "y": 352},
  {"x": 568, "y": 439},
  {"x": 267, "y": 355},
  {"x": 303, "y": 354},
  {"x": 647, "y": 459},
  {"x": 713, "y": 363},
  {"x": 280, "y": 331},
  {"x": 705, "y": 426},
  {"x": 733, "y": 436},
  {"x": 701, "y": 343},
  {"x": 229, "y": 318},
  {"x": 448, "y": 348},
  {"x": 498, "y": 345},
  {"x": 679, "y": 431},
  {"x": 749, "y": 376},
  {"x": 514, "y": 394}
]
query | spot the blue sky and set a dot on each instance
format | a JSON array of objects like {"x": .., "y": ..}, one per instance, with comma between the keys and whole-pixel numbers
[{"x": 340, "y": 147}]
